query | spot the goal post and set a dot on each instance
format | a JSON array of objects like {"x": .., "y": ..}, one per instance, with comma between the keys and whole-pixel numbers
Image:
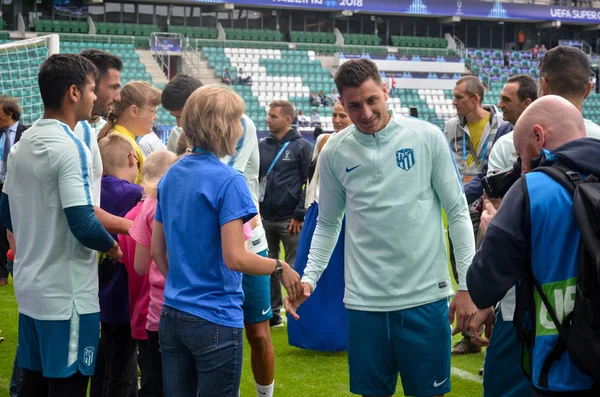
[{"x": 19, "y": 65}]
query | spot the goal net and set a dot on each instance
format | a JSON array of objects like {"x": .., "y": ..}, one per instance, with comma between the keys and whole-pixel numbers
[{"x": 19, "y": 64}]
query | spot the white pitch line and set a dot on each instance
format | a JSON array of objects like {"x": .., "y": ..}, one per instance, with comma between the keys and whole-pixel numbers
[{"x": 466, "y": 375}]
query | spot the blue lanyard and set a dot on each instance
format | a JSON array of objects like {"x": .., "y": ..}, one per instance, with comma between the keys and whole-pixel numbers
[
  {"x": 277, "y": 157},
  {"x": 483, "y": 150},
  {"x": 198, "y": 149}
]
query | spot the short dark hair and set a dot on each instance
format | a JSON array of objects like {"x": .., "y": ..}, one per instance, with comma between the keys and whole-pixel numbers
[
  {"x": 10, "y": 107},
  {"x": 566, "y": 70},
  {"x": 103, "y": 60},
  {"x": 178, "y": 90},
  {"x": 527, "y": 87},
  {"x": 474, "y": 86},
  {"x": 61, "y": 71},
  {"x": 354, "y": 72},
  {"x": 287, "y": 108}
]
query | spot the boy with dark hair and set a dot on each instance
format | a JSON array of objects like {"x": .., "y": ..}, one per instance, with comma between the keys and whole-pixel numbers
[
  {"x": 119, "y": 196},
  {"x": 108, "y": 91},
  {"x": 56, "y": 284},
  {"x": 176, "y": 92},
  {"x": 108, "y": 84}
]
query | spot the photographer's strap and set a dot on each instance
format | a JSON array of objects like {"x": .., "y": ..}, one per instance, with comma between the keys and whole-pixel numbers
[{"x": 472, "y": 149}]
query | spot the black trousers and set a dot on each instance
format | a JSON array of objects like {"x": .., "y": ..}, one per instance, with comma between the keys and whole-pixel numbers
[
  {"x": 143, "y": 360},
  {"x": 35, "y": 385},
  {"x": 155, "y": 381},
  {"x": 116, "y": 365}
]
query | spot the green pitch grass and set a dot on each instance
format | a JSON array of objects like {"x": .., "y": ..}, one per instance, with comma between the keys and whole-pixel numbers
[{"x": 297, "y": 372}]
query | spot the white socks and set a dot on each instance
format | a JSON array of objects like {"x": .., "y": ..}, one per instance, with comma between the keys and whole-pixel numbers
[{"x": 264, "y": 391}]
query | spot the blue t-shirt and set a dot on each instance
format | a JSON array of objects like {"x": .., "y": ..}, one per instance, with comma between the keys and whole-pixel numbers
[
  {"x": 118, "y": 197},
  {"x": 197, "y": 196}
]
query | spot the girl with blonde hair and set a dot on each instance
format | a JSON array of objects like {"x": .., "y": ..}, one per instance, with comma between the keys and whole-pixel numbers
[
  {"x": 134, "y": 115},
  {"x": 202, "y": 205}
]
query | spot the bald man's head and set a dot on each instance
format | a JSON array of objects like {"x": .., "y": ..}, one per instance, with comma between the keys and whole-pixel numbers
[{"x": 547, "y": 123}]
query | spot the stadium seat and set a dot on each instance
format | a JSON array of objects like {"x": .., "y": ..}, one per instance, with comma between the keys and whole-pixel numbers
[{"x": 194, "y": 32}]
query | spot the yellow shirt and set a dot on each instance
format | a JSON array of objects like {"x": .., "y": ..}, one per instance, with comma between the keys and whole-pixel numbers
[
  {"x": 119, "y": 129},
  {"x": 476, "y": 131}
]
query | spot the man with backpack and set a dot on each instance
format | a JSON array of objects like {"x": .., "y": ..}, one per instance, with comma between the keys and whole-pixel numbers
[{"x": 539, "y": 239}]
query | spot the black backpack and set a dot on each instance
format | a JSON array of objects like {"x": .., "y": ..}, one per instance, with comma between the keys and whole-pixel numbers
[{"x": 579, "y": 332}]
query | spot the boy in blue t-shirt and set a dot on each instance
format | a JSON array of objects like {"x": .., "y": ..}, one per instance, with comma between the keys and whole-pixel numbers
[{"x": 117, "y": 346}]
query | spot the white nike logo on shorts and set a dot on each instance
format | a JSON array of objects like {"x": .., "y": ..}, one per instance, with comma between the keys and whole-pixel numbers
[
  {"x": 436, "y": 384},
  {"x": 266, "y": 311}
]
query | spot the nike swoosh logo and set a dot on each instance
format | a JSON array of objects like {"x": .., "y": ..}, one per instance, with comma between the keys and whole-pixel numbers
[
  {"x": 266, "y": 311},
  {"x": 353, "y": 168},
  {"x": 436, "y": 384}
]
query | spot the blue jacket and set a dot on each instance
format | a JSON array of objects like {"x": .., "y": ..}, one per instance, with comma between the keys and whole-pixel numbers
[
  {"x": 537, "y": 216},
  {"x": 474, "y": 188},
  {"x": 285, "y": 193}
]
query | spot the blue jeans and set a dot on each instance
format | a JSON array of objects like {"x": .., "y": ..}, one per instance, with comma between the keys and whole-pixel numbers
[{"x": 199, "y": 358}]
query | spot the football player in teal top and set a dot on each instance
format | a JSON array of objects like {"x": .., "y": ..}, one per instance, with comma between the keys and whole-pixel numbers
[{"x": 392, "y": 175}]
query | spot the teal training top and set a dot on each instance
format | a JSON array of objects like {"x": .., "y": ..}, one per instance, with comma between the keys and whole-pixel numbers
[{"x": 392, "y": 186}]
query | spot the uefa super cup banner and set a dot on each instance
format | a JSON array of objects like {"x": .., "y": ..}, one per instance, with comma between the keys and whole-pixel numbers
[{"x": 466, "y": 8}]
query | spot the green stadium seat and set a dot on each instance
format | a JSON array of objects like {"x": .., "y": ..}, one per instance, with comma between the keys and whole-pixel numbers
[
  {"x": 101, "y": 28},
  {"x": 56, "y": 26},
  {"x": 129, "y": 29}
]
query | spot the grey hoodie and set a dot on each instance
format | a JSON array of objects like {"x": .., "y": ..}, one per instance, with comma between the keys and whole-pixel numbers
[{"x": 457, "y": 129}]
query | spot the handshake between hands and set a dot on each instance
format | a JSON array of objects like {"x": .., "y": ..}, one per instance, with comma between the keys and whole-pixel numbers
[
  {"x": 469, "y": 320},
  {"x": 297, "y": 291}
]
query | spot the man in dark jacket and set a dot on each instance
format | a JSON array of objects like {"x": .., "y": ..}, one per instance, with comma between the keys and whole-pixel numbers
[
  {"x": 284, "y": 160},
  {"x": 11, "y": 129},
  {"x": 533, "y": 230}
]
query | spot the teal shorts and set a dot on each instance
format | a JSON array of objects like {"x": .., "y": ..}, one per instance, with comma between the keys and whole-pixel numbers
[
  {"x": 257, "y": 297},
  {"x": 414, "y": 342},
  {"x": 59, "y": 349}
]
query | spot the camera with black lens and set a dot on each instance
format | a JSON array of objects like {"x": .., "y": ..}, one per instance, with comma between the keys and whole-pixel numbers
[{"x": 497, "y": 185}]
